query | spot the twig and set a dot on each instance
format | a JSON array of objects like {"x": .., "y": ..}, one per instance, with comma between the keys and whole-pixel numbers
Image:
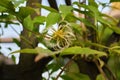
[
  {"x": 100, "y": 69},
  {"x": 67, "y": 64}
]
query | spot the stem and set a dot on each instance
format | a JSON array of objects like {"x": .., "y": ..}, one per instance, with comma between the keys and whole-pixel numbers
[
  {"x": 114, "y": 77},
  {"x": 100, "y": 69},
  {"x": 68, "y": 63}
]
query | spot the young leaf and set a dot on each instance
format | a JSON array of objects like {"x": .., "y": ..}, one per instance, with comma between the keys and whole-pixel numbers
[
  {"x": 52, "y": 18},
  {"x": 65, "y": 10},
  {"x": 85, "y": 51}
]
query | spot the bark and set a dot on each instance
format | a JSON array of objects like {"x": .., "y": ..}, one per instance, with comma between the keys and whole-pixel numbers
[
  {"x": 53, "y": 4},
  {"x": 27, "y": 68},
  {"x": 68, "y": 2}
]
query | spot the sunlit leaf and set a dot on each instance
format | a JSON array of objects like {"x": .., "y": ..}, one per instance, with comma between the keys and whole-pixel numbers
[
  {"x": 52, "y": 18},
  {"x": 38, "y": 50},
  {"x": 41, "y": 50},
  {"x": 39, "y": 19},
  {"x": 28, "y": 23},
  {"x": 115, "y": 47},
  {"x": 79, "y": 50},
  {"x": 116, "y": 51},
  {"x": 65, "y": 10},
  {"x": 100, "y": 77}
]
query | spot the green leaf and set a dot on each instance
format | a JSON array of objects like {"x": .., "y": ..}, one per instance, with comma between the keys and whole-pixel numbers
[
  {"x": 65, "y": 10},
  {"x": 28, "y": 23},
  {"x": 24, "y": 12},
  {"x": 8, "y": 5},
  {"x": 28, "y": 51},
  {"x": 86, "y": 22},
  {"x": 66, "y": 77},
  {"x": 13, "y": 58},
  {"x": 46, "y": 7},
  {"x": 93, "y": 3},
  {"x": 115, "y": 47},
  {"x": 37, "y": 50},
  {"x": 2, "y": 9},
  {"x": 91, "y": 8},
  {"x": 97, "y": 45},
  {"x": 76, "y": 27},
  {"x": 52, "y": 18},
  {"x": 55, "y": 65},
  {"x": 115, "y": 29},
  {"x": 69, "y": 18},
  {"x": 16, "y": 41},
  {"x": 77, "y": 76},
  {"x": 44, "y": 51},
  {"x": 39, "y": 19},
  {"x": 85, "y": 51},
  {"x": 114, "y": 1},
  {"x": 100, "y": 77},
  {"x": 82, "y": 76},
  {"x": 18, "y": 2},
  {"x": 116, "y": 51}
]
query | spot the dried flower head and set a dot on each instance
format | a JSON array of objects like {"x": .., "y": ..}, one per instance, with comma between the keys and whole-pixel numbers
[{"x": 62, "y": 37}]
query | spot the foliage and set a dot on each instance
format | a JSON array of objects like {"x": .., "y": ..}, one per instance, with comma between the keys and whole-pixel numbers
[{"x": 90, "y": 41}]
